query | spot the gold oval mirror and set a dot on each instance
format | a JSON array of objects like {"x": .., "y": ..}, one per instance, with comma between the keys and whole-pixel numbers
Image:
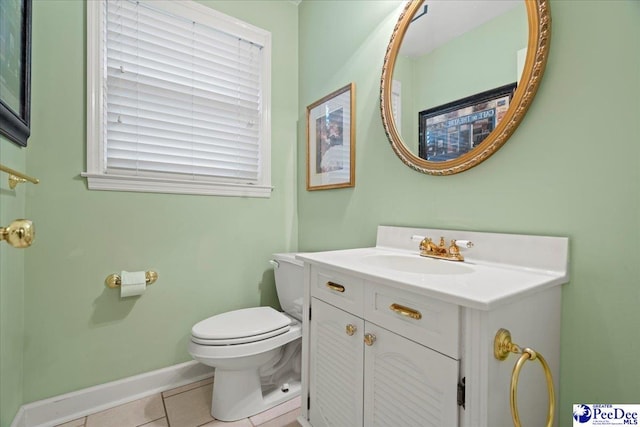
[{"x": 451, "y": 96}]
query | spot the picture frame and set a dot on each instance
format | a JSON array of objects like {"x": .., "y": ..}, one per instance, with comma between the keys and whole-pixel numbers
[
  {"x": 331, "y": 140},
  {"x": 15, "y": 70},
  {"x": 451, "y": 130}
]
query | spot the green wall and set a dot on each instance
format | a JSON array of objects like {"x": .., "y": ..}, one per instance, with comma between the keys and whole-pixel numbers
[
  {"x": 572, "y": 169},
  {"x": 211, "y": 253},
  {"x": 12, "y": 206}
]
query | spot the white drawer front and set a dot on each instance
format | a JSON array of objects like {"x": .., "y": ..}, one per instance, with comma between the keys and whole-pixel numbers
[
  {"x": 430, "y": 322},
  {"x": 340, "y": 290}
]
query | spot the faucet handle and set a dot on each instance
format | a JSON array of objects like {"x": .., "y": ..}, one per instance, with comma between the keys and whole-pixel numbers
[{"x": 464, "y": 243}]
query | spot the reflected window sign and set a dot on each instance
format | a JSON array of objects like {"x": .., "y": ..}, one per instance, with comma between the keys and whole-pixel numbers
[{"x": 454, "y": 129}]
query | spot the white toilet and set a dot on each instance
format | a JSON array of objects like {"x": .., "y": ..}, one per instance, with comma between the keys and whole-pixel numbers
[{"x": 255, "y": 351}]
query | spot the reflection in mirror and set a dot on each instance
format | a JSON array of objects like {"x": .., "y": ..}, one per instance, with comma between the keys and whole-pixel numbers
[
  {"x": 450, "y": 75},
  {"x": 453, "y": 50},
  {"x": 451, "y": 130}
]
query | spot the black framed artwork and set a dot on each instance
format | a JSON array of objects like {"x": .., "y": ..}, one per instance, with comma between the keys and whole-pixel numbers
[{"x": 15, "y": 70}]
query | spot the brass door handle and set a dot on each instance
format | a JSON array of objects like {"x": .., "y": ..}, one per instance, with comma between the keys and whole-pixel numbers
[
  {"x": 335, "y": 287},
  {"x": 406, "y": 311},
  {"x": 369, "y": 339},
  {"x": 351, "y": 329},
  {"x": 19, "y": 234}
]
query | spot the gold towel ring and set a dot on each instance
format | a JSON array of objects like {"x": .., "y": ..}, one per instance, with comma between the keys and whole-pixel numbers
[
  {"x": 502, "y": 347},
  {"x": 529, "y": 354}
]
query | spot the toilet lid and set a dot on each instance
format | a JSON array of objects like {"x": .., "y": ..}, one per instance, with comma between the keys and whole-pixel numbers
[
  {"x": 238, "y": 325},
  {"x": 242, "y": 340}
]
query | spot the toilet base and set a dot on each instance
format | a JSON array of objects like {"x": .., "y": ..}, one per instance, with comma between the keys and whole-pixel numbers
[{"x": 239, "y": 394}]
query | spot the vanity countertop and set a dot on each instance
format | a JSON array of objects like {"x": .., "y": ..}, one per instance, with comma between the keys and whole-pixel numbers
[{"x": 479, "y": 282}]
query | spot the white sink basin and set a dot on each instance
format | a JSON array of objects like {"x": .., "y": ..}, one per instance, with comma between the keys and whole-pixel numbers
[{"x": 416, "y": 264}]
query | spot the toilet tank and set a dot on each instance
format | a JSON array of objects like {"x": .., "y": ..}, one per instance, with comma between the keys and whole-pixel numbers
[{"x": 289, "y": 283}]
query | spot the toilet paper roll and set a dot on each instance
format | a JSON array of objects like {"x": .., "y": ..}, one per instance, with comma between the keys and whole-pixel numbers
[{"x": 132, "y": 283}]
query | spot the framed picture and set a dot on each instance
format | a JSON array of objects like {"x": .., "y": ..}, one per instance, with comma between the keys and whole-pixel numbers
[
  {"x": 331, "y": 140},
  {"x": 15, "y": 70},
  {"x": 451, "y": 130}
]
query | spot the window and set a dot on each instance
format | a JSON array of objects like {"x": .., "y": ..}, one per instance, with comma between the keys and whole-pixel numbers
[{"x": 178, "y": 100}]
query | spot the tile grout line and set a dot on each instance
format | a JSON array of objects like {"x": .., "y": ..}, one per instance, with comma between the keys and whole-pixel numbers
[
  {"x": 162, "y": 396},
  {"x": 153, "y": 421},
  {"x": 166, "y": 414},
  {"x": 185, "y": 391}
]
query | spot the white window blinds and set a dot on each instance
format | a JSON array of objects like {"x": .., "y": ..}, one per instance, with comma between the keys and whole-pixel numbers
[{"x": 182, "y": 98}]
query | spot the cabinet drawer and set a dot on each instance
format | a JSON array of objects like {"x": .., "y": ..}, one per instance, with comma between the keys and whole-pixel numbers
[
  {"x": 340, "y": 290},
  {"x": 430, "y": 322}
]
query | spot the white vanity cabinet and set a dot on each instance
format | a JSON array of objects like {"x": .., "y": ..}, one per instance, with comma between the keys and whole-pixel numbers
[
  {"x": 406, "y": 383},
  {"x": 391, "y": 348},
  {"x": 336, "y": 367},
  {"x": 363, "y": 374}
]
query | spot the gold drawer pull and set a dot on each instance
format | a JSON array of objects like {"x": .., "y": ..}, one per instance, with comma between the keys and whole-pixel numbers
[
  {"x": 335, "y": 287},
  {"x": 351, "y": 329},
  {"x": 406, "y": 311}
]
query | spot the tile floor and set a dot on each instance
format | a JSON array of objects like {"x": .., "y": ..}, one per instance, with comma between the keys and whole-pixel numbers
[{"x": 186, "y": 406}]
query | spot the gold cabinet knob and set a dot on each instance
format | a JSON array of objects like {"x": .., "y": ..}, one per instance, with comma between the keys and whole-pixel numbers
[
  {"x": 369, "y": 339},
  {"x": 19, "y": 234},
  {"x": 351, "y": 329}
]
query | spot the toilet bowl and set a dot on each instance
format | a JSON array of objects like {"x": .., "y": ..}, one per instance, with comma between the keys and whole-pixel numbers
[{"x": 255, "y": 351}]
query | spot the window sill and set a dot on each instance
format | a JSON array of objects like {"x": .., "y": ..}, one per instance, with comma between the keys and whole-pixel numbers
[{"x": 162, "y": 185}]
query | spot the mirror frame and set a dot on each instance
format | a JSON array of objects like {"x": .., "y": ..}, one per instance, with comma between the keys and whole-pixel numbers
[{"x": 539, "y": 19}]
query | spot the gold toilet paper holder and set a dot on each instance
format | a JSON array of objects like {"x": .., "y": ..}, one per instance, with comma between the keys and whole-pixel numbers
[{"x": 113, "y": 280}]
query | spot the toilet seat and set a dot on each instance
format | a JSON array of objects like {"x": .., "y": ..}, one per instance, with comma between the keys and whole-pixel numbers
[
  {"x": 240, "y": 327},
  {"x": 204, "y": 353}
]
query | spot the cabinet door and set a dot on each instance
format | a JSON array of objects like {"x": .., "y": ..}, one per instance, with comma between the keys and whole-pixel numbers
[
  {"x": 336, "y": 367},
  {"x": 407, "y": 384}
]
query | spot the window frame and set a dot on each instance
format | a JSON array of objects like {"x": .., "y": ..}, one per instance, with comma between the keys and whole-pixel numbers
[{"x": 96, "y": 174}]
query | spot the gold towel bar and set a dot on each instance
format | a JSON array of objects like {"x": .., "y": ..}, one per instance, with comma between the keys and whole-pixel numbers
[
  {"x": 113, "y": 280},
  {"x": 16, "y": 177}
]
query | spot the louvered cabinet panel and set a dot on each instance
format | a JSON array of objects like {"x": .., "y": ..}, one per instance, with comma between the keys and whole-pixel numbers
[
  {"x": 407, "y": 384},
  {"x": 336, "y": 367}
]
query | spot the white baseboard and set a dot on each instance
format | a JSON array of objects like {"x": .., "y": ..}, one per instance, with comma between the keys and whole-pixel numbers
[
  {"x": 19, "y": 420},
  {"x": 67, "y": 407}
]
